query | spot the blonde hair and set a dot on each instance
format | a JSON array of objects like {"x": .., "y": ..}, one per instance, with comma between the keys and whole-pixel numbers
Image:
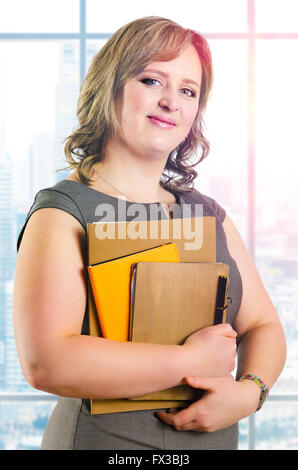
[{"x": 124, "y": 56}]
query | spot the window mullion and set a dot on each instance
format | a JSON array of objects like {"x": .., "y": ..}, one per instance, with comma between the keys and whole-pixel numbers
[
  {"x": 82, "y": 39},
  {"x": 251, "y": 126}
]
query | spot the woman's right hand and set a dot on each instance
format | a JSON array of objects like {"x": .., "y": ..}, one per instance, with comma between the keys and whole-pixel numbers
[{"x": 211, "y": 351}]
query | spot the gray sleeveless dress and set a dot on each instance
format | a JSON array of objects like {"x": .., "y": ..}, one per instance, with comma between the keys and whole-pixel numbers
[{"x": 71, "y": 425}]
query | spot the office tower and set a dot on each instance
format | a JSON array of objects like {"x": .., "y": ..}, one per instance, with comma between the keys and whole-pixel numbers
[
  {"x": 41, "y": 163},
  {"x": 67, "y": 92},
  {"x": 14, "y": 379},
  {"x": 6, "y": 217}
]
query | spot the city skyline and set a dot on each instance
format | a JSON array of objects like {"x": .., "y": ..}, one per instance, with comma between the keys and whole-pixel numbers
[
  {"x": 276, "y": 248},
  {"x": 40, "y": 173}
]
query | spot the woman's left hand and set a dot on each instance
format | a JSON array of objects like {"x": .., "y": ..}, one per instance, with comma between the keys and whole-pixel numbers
[{"x": 224, "y": 403}]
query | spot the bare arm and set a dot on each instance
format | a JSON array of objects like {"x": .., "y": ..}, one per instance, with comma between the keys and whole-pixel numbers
[
  {"x": 49, "y": 302},
  {"x": 261, "y": 340}
]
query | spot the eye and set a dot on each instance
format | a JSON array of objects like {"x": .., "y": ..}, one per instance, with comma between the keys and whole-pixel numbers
[
  {"x": 150, "y": 81},
  {"x": 189, "y": 92},
  {"x": 155, "y": 82}
]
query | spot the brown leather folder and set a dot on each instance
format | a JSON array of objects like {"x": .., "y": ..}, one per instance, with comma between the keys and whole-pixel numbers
[
  {"x": 169, "y": 302},
  {"x": 120, "y": 241}
]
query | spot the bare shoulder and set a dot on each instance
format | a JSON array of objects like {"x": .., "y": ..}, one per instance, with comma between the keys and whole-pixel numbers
[
  {"x": 50, "y": 232},
  {"x": 50, "y": 278}
]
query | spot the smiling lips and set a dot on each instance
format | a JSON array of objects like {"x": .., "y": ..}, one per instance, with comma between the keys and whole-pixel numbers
[{"x": 165, "y": 123}]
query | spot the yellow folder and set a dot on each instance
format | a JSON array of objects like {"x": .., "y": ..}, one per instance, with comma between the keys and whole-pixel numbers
[{"x": 110, "y": 283}]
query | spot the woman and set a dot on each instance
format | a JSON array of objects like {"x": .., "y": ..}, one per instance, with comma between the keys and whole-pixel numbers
[{"x": 140, "y": 118}]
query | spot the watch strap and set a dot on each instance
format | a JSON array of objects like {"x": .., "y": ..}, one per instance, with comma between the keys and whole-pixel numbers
[{"x": 263, "y": 387}]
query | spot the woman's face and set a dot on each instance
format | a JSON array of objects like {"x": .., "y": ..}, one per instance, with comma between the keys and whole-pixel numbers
[{"x": 157, "y": 107}]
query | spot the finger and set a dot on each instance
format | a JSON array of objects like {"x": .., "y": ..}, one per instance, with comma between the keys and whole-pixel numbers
[
  {"x": 205, "y": 383},
  {"x": 170, "y": 419},
  {"x": 187, "y": 415},
  {"x": 186, "y": 422},
  {"x": 167, "y": 418},
  {"x": 191, "y": 426},
  {"x": 226, "y": 329},
  {"x": 173, "y": 410}
]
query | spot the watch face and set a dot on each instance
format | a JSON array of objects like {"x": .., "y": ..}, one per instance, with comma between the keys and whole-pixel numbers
[{"x": 263, "y": 396}]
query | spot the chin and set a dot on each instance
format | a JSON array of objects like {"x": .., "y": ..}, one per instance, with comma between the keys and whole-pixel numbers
[
  {"x": 158, "y": 152},
  {"x": 156, "y": 148},
  {"x": 160, "y": 148}
]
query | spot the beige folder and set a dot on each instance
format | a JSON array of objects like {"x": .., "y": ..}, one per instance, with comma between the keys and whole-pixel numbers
[
  {"x": 121, "y": 241},
  {"x": 169, "y": 302}
]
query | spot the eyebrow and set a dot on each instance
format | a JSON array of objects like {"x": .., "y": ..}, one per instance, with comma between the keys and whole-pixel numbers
[{"x": 165, "y": 75}]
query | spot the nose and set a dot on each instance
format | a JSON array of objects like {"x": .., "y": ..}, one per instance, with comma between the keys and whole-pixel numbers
[{"x": 168, "y": 101}]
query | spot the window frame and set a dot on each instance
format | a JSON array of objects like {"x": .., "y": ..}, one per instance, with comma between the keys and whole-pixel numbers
[{"x": 251, "y": 36}]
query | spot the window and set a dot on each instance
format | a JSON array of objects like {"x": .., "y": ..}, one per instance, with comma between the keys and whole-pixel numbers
[{"x": 251, "y": 169}]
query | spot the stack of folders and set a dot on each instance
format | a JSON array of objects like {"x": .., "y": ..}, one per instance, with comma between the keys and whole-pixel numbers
[{"x": 152, "y": 297}]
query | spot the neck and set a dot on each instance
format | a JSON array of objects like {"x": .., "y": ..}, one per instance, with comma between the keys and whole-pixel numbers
[{"x": 134, "y": 176}]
